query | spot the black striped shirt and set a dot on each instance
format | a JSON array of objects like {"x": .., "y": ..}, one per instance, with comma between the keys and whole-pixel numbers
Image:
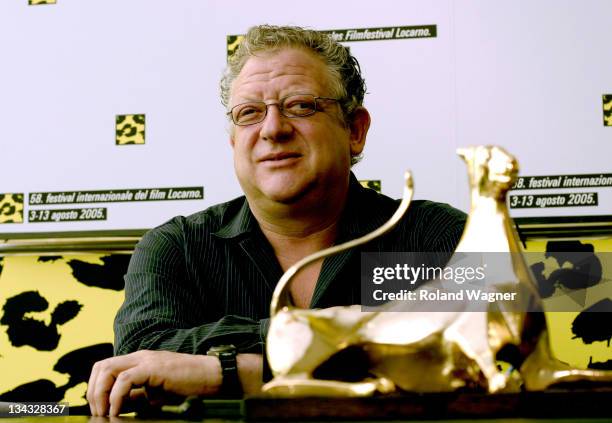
[{"x": 207, "y": 279}]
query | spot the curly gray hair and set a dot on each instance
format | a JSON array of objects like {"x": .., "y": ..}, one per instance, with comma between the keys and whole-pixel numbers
[{"x": 347, "y": 82}]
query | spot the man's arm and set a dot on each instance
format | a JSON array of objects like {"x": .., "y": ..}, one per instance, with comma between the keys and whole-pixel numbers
[
  {"x": 165, "y": 308},
  {"x": 113, "y": 380}
]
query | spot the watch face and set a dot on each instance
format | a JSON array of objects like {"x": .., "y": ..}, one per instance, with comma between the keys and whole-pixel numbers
[
  {"x": 224, "y": 354},
  {"x": 216, "y": 350}
]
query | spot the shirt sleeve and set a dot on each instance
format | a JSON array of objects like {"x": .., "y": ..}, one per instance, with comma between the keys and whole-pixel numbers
[{"x": 163, "y": 308}]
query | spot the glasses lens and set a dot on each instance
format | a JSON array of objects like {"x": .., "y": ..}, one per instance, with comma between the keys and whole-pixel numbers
[
  {"x": 249, "y": 113},
  {"x": 299, "y": 105}
]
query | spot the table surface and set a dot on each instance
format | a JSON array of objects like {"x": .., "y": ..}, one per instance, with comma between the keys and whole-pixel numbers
[
  {"x": 569, "y": 406},
  {"x": 89, "y": 419}
]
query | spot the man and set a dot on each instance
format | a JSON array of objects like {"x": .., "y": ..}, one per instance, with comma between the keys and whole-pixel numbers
[{"x": 295, "y": 101}]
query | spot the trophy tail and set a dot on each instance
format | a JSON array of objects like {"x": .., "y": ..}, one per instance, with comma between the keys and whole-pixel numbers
[{"x": 281, "y": 297}]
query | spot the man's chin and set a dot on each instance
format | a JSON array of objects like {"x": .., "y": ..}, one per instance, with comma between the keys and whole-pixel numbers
[
  {"x": 286, "y": 198},
  {"x": 290, "y": 196}
]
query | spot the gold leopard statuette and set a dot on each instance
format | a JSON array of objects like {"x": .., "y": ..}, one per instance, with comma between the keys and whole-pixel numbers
[{"x": 422, "y": 351}]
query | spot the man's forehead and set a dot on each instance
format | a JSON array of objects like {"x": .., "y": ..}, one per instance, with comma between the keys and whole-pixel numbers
[{"x": 287, "y": 63}]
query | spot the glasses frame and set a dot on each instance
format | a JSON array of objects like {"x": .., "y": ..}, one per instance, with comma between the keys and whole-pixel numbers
[{"x": 281, "y": 110}]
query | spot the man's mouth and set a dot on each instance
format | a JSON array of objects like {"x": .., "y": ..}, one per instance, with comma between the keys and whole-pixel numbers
[{"x": 278, "y": 157}]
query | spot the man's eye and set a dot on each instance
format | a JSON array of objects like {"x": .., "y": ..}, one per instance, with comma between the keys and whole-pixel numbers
[
  {"x": 247, "y": 111},
  {"x": 299, "y": 106}
]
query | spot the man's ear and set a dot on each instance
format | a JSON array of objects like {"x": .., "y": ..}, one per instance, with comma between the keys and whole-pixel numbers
[
  {"x": 359, "y": 126},
  {"x": 231, "y": 140}
]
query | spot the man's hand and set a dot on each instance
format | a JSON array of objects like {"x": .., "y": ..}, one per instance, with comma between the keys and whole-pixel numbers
[{"x": 113, "y": 380}]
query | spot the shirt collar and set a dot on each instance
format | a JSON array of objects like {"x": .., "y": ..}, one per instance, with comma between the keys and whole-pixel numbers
[
  {"x": 360, "y": 215},
  {"x": 242, "y": 222}
]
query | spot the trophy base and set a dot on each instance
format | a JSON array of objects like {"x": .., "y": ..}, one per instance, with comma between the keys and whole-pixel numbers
[{"x": 574, "y": 403}]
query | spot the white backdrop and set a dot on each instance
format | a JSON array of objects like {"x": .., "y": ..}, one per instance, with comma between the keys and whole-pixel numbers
[{"x": 526, "y": 75}]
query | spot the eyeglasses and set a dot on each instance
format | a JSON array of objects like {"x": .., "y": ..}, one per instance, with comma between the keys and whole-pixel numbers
[{"x": 292, "y": 106}]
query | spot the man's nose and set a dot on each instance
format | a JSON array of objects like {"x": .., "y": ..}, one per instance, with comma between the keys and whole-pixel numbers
[{"x": 275, "y": 126}]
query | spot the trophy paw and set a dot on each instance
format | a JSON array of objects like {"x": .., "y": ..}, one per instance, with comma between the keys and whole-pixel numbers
[{"x": 305, "y": 387}]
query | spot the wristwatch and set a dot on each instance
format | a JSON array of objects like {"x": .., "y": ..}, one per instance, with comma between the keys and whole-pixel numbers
[{"x": 230, "y": 385}]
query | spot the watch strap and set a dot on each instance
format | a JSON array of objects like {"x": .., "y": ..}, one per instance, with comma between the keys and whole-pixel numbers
[{"x": 230, "y": 385}]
